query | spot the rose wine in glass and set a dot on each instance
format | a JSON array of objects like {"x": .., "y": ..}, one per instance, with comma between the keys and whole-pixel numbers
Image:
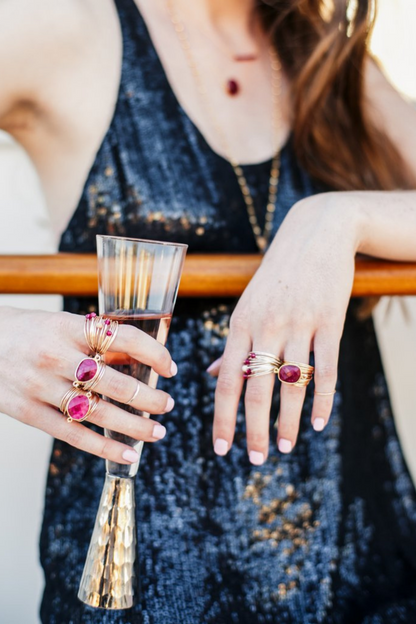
[{"x": 138, "y": 285}]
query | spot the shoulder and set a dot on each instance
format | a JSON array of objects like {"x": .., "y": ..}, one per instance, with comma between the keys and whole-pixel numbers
[{"x": 42, "y": 39}]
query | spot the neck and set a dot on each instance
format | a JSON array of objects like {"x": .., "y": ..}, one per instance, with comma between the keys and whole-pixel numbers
[{"x": 220, "y": 11}]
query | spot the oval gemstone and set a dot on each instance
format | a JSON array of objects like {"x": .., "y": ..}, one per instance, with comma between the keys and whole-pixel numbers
[
  {"x": 78, "y": 407},
  {"x": 232, "y": 87},
  {"x": 289, "y": 373},
  {"x": 86, "y": 370}
]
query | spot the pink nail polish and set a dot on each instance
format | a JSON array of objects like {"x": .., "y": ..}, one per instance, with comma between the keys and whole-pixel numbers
[
  {"x": 173, "y": 369},
  {"x": 130, "y": 456},
  {"x": 214, "y": 365},
  {"x": 256, "y": 458},
  {"x": 221, "y": 446},
  {"x": 170, "y": 405},
  {"x": 285, "y": 446},
  {"x": 318, "y": 424},
  {"x": 159, "y": 431}
]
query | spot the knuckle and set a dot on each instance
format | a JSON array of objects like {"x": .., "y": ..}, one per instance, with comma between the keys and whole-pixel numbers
[
  {"x": 162, "y": 358},
  {"x": 160, "y": 400},
  {"x": 73, "y": 438},
  {"x": 239, "y": 321},
  {"x": 226, "y": 384},
  {"x": 254, "y": 395},
  {"x": 116, "y": 387},
  {"x": 25, "y": 412},
  {"x": 46, "y": 359},
  {"x": 34, "y": 384},
  {"x": 326, "y": 371},
  {"x": 257, "y": 440},
  {"x": 105, "y": 450}
]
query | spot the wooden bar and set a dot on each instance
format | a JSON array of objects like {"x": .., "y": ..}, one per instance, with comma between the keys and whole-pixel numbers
[{"x": 212, "y": 275}]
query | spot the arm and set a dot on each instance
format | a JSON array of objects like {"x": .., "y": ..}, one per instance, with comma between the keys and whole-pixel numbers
[{"x": 297, "y": 301}]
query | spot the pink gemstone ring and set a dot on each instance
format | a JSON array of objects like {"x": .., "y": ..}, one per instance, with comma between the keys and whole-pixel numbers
[
  {"x": 295, "y": 374},
  {"x": 89, "y": 372},
  {"x": 258, "y": 363},
  {"x": 78, "y": 405},
  {"x": 100, "y": 332}
]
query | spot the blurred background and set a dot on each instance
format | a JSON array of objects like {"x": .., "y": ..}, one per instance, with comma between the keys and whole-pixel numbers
[{"x": 25, "y": 228}]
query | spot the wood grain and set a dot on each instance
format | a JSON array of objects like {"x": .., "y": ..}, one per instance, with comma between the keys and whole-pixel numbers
[{"x": 204, "y": 275}]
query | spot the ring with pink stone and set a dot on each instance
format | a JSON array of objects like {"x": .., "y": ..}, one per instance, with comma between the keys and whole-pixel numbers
[
  {"x": 100, "y": 332},
  {"x": 89, "y": 372},
  {"x": 295, "y": 374},
  {"x": 78, "y": 405},
  {"x": 258, "y": 363}
]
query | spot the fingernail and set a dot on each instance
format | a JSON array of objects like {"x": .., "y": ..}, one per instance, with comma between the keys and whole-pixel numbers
[
  {"x": 173, "y": 369},
  {"x": 318, "y": 424},
  {"x": 159, "y": 431},
  {"x": 285, "y": 446},
  {"x": 256, "y": 458},
  {"x": 214, "y": 365},
  {"x": 170, "y": 405},
  {"x": 130, "y": 456},
  {"x": 221, "y": 446}
]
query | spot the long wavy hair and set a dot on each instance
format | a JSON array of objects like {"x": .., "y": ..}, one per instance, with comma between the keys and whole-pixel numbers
[{"x": 323, "y": 48}]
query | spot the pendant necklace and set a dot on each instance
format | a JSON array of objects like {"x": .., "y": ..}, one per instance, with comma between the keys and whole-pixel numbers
[{"x": 262, "y": 237}]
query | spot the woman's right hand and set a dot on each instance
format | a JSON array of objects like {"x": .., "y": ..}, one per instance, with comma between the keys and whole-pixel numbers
[{"x": 39, "y": 354}]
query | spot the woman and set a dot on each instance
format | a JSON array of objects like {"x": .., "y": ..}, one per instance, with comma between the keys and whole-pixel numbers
[{"x": 130, "y": 110}]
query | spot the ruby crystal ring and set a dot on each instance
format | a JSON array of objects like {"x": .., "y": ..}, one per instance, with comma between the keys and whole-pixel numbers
[
  {"x": 89, "y": 372},
  {"x": 295, "y": 374},
  {"x": 78, "y": 405},
  {"x": 99, "y": 332},
  {"x": 260, "y": 363}
]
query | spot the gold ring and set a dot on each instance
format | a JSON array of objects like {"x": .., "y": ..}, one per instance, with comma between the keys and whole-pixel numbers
[
  {"x": 325, "y": 393},
  {"x": 295, "y": 374},
  {"x": 99, "y": 332},
  {"x": 136, "y": 392},
  {"x": 78, "y": 405},
  {"x": 89, "y": 372},
  {"x": 260, "y": 363}
]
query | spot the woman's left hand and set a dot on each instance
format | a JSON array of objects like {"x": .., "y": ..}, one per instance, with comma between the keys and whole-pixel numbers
[{"x": 295, "y": 303}]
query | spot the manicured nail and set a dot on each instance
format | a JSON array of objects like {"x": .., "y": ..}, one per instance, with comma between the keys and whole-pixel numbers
[
  {"x": 318, "y": 424},
  {"x": 131, "y": 456},
  {"x": 221, "y": 446},
  {"x": 173, "y": 369},
  {"x": 214, "y": 365},
  {"x": 159, "y": 431},
  {"x": 285, "y": 446},
  {"x": 256, "y": 458},
  {"x": 170, "y": 405}
]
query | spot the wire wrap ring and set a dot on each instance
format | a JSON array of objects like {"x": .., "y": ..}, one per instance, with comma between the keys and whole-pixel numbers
[
  {"x": 78, "y": 405},
  {"x": 100, "y": 332},
  {"x": 260, "y": 363}
]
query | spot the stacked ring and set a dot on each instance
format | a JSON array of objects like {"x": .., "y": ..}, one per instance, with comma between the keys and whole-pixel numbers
[
  {"x": 78, "y": 405},
  {"x": 99, "y": 333},
  {"x": 89, "y": 372},
  {"x": 259, "y": 363},
  {"x": 295, "y": 374}
]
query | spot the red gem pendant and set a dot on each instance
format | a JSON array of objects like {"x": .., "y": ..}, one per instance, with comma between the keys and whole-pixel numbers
[{"x": 232, "y": 87}]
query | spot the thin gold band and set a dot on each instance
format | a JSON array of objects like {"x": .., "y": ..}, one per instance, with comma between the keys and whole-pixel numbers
[
  {"x": 326, "y": 393},
  {"x": 136, "y": 392}
]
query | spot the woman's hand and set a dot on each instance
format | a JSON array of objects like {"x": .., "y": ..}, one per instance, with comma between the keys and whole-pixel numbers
[
  {"x": 295, "y": 303},
  {"x": 39, "y": 354}
]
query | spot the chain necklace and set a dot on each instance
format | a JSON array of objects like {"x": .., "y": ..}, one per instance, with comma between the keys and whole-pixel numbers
[{"x": 262, "y": 237}]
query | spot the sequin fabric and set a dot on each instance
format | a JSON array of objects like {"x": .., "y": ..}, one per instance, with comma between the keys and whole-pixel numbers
[{"x": 323, "y": 535}]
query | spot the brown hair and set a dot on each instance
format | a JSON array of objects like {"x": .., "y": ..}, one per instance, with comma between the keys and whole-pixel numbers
[{"x": 323, "y": 47}]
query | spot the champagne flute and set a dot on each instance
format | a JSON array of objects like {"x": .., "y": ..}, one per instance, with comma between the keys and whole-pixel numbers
[{"x": 138, "y": 285}]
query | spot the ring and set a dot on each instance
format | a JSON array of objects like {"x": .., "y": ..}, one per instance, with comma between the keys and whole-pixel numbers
[
  {"x": 295, "y": 374},
  {"x": 78, "y": 405},
  {"x": 99, "y": 332},
  {"x": 136, "y": 392},
  {"x": 326, "y": 393},
  {"x": 260, "y": 363},
  {"x": 89, "y": 372}
]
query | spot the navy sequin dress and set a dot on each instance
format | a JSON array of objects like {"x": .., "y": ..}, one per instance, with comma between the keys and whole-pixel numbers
[{"x": 325, "y": 534}]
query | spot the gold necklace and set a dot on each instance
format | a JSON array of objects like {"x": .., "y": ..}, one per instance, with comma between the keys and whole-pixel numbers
[{"x": 262, "y": 237}]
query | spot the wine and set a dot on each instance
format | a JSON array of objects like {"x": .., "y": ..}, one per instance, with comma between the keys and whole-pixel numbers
[{"x": 155, "y": 325}]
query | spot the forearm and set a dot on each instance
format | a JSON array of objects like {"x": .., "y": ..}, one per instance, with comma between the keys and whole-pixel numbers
[{"x": 383, "y": 222}]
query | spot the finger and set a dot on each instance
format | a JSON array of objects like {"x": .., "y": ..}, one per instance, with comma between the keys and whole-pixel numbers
[
  {"x": 326, "y": 350},
  {"x": 130, "y": 342},
  {"x": 229, "y": 387},
  {"x": 292, "y": 397},
  {"x": 119, "y": 387},
  {"x": 214, "y": 368},
  {"x": 113, "y": 418},
  {"x": 55, "y": 424},
  {"x": 258, "y": 398}
]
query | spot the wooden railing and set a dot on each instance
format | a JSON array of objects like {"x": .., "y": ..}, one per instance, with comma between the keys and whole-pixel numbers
[{"x": 204, "y": 275}]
